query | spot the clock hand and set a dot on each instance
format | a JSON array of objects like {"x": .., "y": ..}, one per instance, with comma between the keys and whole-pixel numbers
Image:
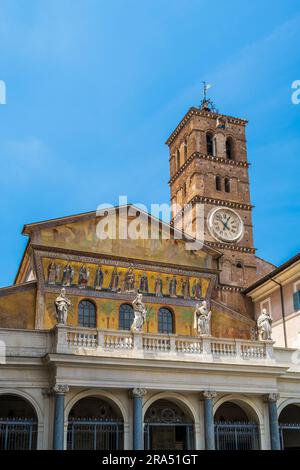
[{"x": 225, "y": 224}]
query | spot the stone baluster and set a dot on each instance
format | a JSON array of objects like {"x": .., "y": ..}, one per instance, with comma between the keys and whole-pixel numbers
[{"x": 137, "y": 395}]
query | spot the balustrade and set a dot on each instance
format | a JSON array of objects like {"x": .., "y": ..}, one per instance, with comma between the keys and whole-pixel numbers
[{"x": 73, "y": 340}]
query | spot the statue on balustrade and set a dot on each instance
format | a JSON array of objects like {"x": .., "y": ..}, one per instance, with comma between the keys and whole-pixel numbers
[
  {"x": 53, "y": 273},
  {"x": 98, "y": 283},
  {"x": 196, "y": 290},
  {"x": 158, "y": 287},
  {"x": 68, "y": 275},
  {"x": 83, "y": 277},
  {"x": 62, "y": 304},
  {"x": 140, "y": 314},
  {"x": 202, "y": 317},
  {"x": 114, "y": 281},
  {"x": 264, "y": 325},
  {"x": 173, "y": 287},
  {"x": 129, "y": 280},
  {"x": 144, "y": 284},
  {"x": 185, "y": 288}
]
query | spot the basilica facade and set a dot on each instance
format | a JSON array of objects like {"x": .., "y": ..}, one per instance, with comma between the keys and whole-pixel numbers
[{"x": 80, "y": 369}]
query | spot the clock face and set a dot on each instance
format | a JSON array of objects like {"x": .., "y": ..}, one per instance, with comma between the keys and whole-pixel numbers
[{"x": 225, "y": 224}]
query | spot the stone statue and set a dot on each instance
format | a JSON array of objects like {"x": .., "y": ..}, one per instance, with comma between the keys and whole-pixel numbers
[
  {"x": 140, "y": 313},
  {"x": 129, "y": 280},
  {"x": 173, "y": 286},
  {"x": 144, "y": 284},
  {"x": 114, "y": 281},
  {"x": 53, "y": 271},
  {"x": 62, "y": 304},
  {"x": 196, "y": 290},
  {"x": 185, "y": 288},
  {"x": 98, "y": 283},
  {"x": 158, "y": 286},
  {"x": 68, "y": 275},
  {"x": 202, "y": 318},
  {"x": 264, "y": 325},
  {"x": 83, "y": 277}
]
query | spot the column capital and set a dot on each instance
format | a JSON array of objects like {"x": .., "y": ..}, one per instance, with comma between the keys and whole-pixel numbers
[
  {"x": 271, "y": 397},
  {"x": 60, "y": 389},
  {"x": 137, "y": 392},
  {"x": 208, "y": 394}
]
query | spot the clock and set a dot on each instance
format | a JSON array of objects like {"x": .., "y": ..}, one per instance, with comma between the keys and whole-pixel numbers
[{"x": 225, "y": 224}]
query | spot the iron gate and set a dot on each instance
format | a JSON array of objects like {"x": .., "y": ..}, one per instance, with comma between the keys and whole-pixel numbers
[
  {"x": 289, "y": 429},
  {"x": 18, "y": 434},
  {"x": 94, "y": 435},
  {"x": 236, "y": 436},
  {"x": 188, "y": 430}
]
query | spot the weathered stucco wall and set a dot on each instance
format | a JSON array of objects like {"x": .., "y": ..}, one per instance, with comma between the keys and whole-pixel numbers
[{"x": 17, "y": 307}]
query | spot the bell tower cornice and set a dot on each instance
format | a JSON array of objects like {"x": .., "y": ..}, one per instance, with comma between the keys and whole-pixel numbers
[{"x": 193, "y": 111}]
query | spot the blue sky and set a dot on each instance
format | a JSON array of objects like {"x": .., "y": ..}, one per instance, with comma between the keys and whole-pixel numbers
[{"x": 94, "y": 88}]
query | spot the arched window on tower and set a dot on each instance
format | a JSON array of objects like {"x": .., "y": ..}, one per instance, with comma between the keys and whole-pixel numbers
[
  {"x": 209, "y": 143},
  {"x": 218, "y": 183},
  {"x": 185, "y": 150},
  {"x": 126, "y": 317},
  {"x": 87, "y": 314},
  {"x": 227, "y": 185},
  {"x": 178, "y": 159},
  {"x": 165, "y": 321},
  {"x": 229, "y": 148}
]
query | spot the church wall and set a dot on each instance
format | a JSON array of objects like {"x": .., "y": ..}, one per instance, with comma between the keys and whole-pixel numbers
[
  {"x": 222, "y": 324},
  {"x": 17, "y": 307}
]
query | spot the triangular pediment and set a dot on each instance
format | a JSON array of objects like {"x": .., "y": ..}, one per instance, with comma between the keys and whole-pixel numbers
[{"x": 137, "y": 235}]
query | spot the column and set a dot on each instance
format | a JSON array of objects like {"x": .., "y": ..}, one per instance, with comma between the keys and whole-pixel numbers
[
  {"x": 59, "y": 421},
  {"x": 137, "y": 395},
  {"x": 271, "y": 399},
  {"x": 209, "y": 431}
]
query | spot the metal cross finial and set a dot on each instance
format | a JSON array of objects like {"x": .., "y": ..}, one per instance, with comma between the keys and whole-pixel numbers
[
  {"x": 206, "y": 102},
  {"x": 206, "y": 86}
]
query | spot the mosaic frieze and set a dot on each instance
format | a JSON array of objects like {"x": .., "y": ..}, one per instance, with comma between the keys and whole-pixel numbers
[{"x": 119, "y": 279}]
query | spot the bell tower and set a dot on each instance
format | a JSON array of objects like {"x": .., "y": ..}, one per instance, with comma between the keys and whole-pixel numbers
[{"x": 209, "y": 166}]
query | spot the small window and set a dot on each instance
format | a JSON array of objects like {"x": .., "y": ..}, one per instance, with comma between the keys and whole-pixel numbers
[
  {"x": 165, "y": 321},
  {"x": 178, "y": 159},
  {"x": 218, "y": 183},
  {"x": 209, "y": 144},
  {"x": 227, "y": 185},
  {"x": 126, "y": 317},
  {"x": 229, "y": 148},
  {"x": 239, "y": 265},
  {"x": 87, "y": 314},
  {"x": 296, "y": 296}
]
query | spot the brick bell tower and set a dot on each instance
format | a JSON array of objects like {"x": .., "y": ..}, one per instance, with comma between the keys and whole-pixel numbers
[{"x": 208, "y": 165}]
